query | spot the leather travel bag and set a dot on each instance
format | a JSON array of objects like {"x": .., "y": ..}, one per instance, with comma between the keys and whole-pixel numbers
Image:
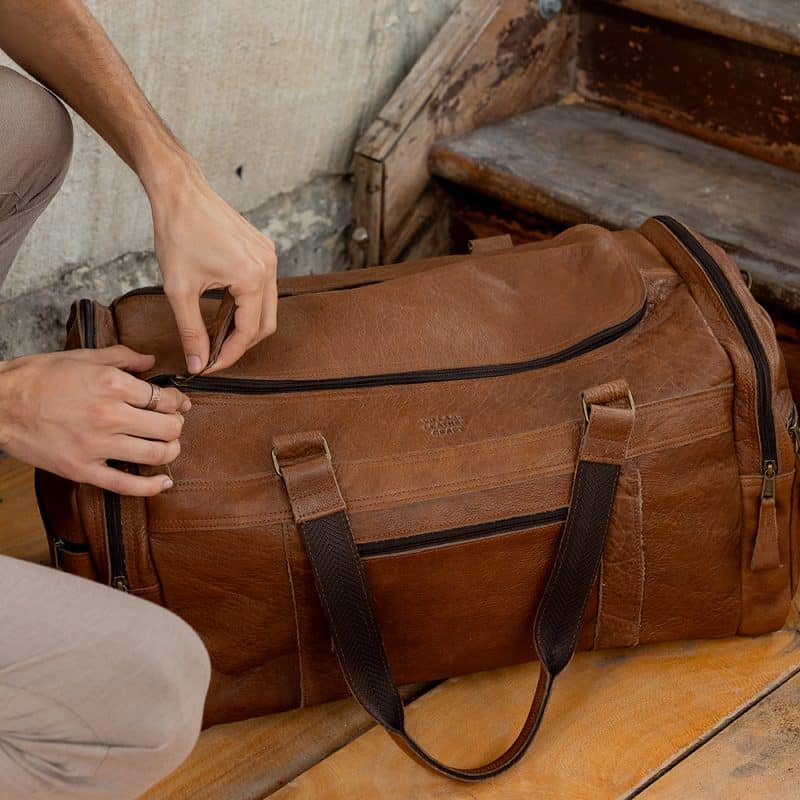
[{"x": 451, "y": 465}]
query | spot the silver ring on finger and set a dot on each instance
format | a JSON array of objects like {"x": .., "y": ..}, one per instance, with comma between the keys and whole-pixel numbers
[{"x": 155, "y": 396}]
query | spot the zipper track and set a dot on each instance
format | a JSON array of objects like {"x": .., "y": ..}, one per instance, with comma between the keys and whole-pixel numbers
[
  {"x": 275, "y": 386},
  {"x": 737, "y": 312},
  {"x": 118, "y": 571},
  {"x": 452, "y": 535},
  {"x": 217, "y": 294}
]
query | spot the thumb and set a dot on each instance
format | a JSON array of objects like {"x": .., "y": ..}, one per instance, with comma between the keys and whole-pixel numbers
[
  {"x": 121, "y": 357},
  {"x": 192, "y": 330}
]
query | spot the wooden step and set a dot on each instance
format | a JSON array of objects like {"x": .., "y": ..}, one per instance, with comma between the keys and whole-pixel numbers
[
  {"x": 772, "y": 24},
  {"x": 619, "y": 723},
  {"x": 734, "y": 94},
  {"x": 578, "y": 163}
]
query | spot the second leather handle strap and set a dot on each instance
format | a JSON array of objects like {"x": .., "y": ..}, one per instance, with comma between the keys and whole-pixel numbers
[{"x": 319, "y": 510}]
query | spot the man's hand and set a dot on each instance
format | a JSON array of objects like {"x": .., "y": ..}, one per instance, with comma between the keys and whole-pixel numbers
[
  {"x": 70, "y": 412},
  {"x": 202, "y": 243}
]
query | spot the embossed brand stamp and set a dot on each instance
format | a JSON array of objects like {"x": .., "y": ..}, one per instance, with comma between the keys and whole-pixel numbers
[{"x": 445, "y": 425}]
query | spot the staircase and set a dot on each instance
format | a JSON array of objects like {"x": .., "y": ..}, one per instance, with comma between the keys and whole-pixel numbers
[
  {"x": 700, "y": 119},
  {"x": 526, "y": 117}
]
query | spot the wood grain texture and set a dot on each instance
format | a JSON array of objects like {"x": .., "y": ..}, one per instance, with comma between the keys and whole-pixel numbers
[
  {"x": 577, "y": 163},
  {"x": 736, "y": 95},
  {"x": 251, "y": 759},
  {"x": 21, "y": 531},
  {"x": 615, "y": 719},
  {"x": 754, "y": 757},
  {"x": 491, "y": 60},
  {"x": 774, "y": 24}
]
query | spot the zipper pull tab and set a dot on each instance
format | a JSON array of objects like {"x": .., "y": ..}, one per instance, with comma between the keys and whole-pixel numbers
[
  {"x": 794, "y": 430},
  {"x": 766, "y": 554}
]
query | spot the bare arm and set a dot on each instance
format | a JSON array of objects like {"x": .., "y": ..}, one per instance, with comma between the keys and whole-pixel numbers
[{"x": 201, "y": 242}]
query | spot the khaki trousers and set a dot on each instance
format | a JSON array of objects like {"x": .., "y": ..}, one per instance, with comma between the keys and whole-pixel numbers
[{"x": 101, "y": 693}]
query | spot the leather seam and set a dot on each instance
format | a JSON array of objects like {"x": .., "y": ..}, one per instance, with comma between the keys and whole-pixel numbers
[{"x": 300, "y": 659}]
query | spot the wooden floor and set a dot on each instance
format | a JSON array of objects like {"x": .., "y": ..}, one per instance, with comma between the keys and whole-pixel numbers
[{"x": 689, "y": 720}]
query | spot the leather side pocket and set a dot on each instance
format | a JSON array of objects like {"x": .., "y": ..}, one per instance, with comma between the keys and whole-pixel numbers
[
  {"x": 766, "y": 592},
  {"x": 79, "y": 564},
  {"x": 622, "y": 569}
]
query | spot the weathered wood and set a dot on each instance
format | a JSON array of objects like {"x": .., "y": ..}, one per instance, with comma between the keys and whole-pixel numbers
[
  {"x": 367, "y": 209},
  {"x": 491, "y": 60},
  {"x": 21, "y": 531},
  {"x": 742, "y": 97},
  {"x": 754, "y": 757},
  {"x": 774, "y": 24},
  {"x": 582, "y": 164},
  {"x": 251, "y": 759},
  {"x": 616, "y": 718},
  {"x": 475, "y": 216}
]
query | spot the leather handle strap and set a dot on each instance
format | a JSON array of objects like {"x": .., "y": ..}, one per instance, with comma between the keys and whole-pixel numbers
[{"x": 320, "y": 512}]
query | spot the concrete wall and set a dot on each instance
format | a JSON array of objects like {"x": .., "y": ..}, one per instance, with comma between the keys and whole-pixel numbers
[{"x": 270, "y": 97}]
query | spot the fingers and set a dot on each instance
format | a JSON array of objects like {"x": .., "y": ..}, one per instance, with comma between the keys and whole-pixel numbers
[
  {"x": 123, "y": 483},
  {"x": 269, "y": 312},
  {"x": 191, "y": 327},
  {"x": 247, "y": 323},
  {"x": 119, "y": 385},
  {"x": 118, "y": 356},
  {"x": 149, "y": 424},
  {"x": 143, "y": 451}
]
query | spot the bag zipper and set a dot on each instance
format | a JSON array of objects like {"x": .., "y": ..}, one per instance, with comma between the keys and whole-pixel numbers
[
  {"x": 203, "y": 383},
  {"x": 421, "y": 541},
  {"x": 217, "y": 294},
  {"x": 118, "y": 572},
  {"x": 737, "y": 312}
]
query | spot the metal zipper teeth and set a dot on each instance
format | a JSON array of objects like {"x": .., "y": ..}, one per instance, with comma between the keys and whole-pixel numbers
[
  {"x": 453, "y": 535},
  {"x": 116, "y": 547},
  {"x": 217, "y": 294},
  {"x": 87, "y": 323},
  {"x": 766, "y": 422},
  {"x": 111, "y": 503},
  {"x": 275, "y": 386}
]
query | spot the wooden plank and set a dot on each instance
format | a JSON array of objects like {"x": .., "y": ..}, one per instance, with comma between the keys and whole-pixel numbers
[
  {"x": 754, "y": 757},
  {"x": 774, "y": 24},
  {"x": 367, "y": 210},
  {"x": 580, "y": 164},
  {"x": 451, "y": 43},
  {"x": 615, "y": 719},
  {"x": 21, "y": 531},
  {"x": 742, "y": 97},
  {"x": 491, "y": 60},
  {"x": 248, "y": 760},
  {"x": 518, "y": 63}
]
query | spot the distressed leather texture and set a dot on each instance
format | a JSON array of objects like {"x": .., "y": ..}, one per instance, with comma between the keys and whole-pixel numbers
[{"x": 455, "y": 450}]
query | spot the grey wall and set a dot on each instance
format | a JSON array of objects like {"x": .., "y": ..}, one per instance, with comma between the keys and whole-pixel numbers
[{"x": 280, "y": 90}]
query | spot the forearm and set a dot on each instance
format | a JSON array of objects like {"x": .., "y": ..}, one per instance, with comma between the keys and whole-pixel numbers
[{"x": 61, "y": 44}]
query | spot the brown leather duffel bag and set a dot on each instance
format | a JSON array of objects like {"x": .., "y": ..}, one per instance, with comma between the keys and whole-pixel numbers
[{"x": 447, "y": 466}]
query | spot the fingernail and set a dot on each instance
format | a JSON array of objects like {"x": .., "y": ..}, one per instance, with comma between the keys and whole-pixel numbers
[
  {"x": 186, "y": 405},
  {"x": 167, "y": 483},
  {"x": 194, "y": 363}
]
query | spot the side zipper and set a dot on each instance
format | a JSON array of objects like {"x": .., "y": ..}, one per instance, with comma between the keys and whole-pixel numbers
[
  {"x": 118, "y": 572},
  {"x": 765, "y": 550}
]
